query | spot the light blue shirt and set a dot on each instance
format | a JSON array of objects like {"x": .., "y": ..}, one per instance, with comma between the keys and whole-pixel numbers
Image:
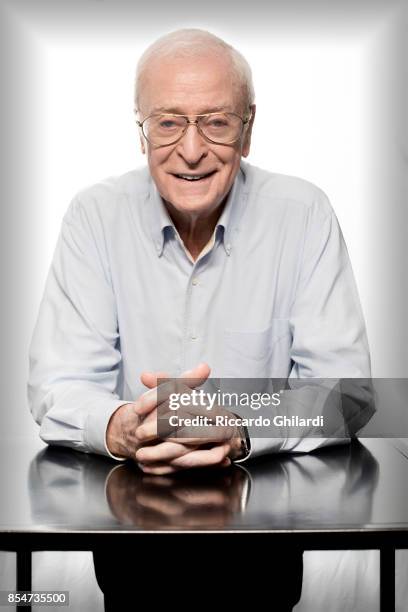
[{"x": 273, "y": 295}]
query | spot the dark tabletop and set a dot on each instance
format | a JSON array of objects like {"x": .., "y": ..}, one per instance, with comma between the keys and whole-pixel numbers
[{"x": 361, "y": 488}]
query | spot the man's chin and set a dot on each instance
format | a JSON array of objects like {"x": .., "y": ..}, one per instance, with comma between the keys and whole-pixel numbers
[
  {"x": 199, "y": 208},
  {"x": 193, "y": 203}
]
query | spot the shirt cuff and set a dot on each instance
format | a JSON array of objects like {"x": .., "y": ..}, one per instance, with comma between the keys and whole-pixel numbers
[
  {"x": 248, "y": 446},
  {"x": 97, "y": 425},
  {"x": 263, "y": 446}
]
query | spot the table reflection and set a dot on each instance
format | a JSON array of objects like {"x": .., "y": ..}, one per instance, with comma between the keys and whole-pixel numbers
[
  {"x": 79, "y": 491},
  {"x": 208, "y": 500}
]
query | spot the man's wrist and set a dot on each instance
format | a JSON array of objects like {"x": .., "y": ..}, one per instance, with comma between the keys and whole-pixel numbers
[
  {"x": 241, "y": 446},
  {"x": 114, "y": 433}
]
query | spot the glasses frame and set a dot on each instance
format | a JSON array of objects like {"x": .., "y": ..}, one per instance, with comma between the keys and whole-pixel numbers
[{"x": 189, "y": 122}]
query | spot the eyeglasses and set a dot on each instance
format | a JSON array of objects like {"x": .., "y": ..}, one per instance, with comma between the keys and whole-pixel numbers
[{"x": 162, "y": 130}]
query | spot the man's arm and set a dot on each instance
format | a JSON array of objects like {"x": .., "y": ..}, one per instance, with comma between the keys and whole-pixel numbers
[
  {"x": 328, "y": 332},
  {"x": 74, "y": 354},
  {"x": 75, "y": 357}
]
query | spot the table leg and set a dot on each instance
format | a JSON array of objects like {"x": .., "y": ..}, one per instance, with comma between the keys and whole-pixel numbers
[
  {"x": 387, "y": 579},
  {"x": 23, "y": 574}
]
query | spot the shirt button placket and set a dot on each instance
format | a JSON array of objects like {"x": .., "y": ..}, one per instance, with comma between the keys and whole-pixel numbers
[{"x": 194, "y": 319}]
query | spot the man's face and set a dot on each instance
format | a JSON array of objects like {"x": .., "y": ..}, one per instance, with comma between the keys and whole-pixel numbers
[{"x": 191, "y": 87}]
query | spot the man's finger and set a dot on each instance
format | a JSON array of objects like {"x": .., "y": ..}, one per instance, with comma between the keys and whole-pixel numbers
[
  {"x": 203, "y": 458},
  {"x": 202, "y": 371},
  {"x": 162, "y": 469},
  {"x": 149, "y": 379},
  {"x": 193, "y": 436},
  {"x": 159, "y": 469},
  {"x": 148, "y": 400},
  {"x": 188, "y": 435},
  {"x": 147, "y": 431},
  {"x": 165, "y": 451}
]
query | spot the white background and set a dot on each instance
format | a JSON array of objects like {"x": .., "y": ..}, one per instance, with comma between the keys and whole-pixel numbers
[{"x": 329, "y": 86}]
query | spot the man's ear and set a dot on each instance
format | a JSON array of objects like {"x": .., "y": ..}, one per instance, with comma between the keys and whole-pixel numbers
[
  {"x": 246, "y": 145},
  {"x": 142, "y": 144},
  {"x": 142, "y": 140}
]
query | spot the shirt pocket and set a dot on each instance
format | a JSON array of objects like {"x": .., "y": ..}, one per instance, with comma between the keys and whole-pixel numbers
[{"x": 259, "y": 353}]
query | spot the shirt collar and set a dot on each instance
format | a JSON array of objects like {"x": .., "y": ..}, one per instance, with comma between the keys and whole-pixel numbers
[{"x": 159, "y": 217}]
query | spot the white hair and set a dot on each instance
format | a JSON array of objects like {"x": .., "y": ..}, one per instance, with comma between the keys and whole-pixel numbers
[{"x": 193, "y": 42}]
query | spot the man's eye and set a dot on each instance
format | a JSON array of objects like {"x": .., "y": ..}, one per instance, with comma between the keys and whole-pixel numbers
[
  {"x": 217, "y": 123},
  {"x": 167, "y": 124}
]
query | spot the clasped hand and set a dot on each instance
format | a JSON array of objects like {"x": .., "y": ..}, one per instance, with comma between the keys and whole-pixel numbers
[{"x": 132, "y": 431}]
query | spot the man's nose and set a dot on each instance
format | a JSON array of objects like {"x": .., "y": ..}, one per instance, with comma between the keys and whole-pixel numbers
[{"x": 192, "y": 146}]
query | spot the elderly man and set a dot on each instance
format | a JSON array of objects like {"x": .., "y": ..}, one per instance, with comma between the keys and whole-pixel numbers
[{"x": 200, "y": 261}]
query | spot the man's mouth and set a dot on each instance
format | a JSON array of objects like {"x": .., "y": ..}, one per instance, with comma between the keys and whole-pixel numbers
[{"x": 194, "y": 177}]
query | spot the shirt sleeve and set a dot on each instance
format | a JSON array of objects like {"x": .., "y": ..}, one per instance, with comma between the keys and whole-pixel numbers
[
  {"x": 75, "y": 350},
  {"x": 328, "y": 332}
]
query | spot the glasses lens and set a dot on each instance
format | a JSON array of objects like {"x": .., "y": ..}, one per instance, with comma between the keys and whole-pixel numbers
[
  {"x": 164, "y": 129},
  {"x": 222, "y": 128}
]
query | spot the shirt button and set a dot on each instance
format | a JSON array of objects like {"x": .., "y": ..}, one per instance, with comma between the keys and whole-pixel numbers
[
  {"x": 194, "y": 281},
  {"x": 193, "y": 337}
]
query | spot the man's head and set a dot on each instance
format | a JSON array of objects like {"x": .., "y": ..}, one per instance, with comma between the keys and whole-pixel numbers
[{"x": 190, "y": 73}]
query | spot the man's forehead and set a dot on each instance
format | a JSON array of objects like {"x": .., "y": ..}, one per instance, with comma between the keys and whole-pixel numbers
[
  {"x": 199, "y": 84},
  {"x": 198, "y": 102},
  {"x": 186, "y": 62},
  {"x": 200, "y": 110}
]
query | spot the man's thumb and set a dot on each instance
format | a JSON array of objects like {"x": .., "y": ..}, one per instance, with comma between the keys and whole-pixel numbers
[
  {"x": 149, "y": 379},
  {"x": 200, "y": 372}
]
